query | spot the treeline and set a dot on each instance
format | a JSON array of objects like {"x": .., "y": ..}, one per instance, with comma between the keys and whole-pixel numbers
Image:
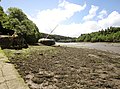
[
  {"x": 58, "y": 38},
  {"x": 111, "y": 34}
]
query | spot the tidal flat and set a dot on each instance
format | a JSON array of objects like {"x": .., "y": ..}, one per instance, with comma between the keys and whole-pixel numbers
[{"x": 46, "y": 67}]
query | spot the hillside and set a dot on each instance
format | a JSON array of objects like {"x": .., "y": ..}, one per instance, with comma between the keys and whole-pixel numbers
[
  {"x": 111, "y": 34},
  {"x": 58, "y": 38}
]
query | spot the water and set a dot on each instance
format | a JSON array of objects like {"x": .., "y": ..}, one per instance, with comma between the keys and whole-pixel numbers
[{"x": 111, "y": 47}]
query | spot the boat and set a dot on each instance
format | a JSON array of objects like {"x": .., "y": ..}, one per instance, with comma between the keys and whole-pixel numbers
[{"x": 46, "y": 41}]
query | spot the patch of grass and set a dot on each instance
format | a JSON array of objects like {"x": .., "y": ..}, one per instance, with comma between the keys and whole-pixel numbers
[{"x": 1, "y": 51}]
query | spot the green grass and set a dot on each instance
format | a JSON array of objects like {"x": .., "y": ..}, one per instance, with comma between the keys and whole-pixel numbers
[{"x": 25, "y": 53}]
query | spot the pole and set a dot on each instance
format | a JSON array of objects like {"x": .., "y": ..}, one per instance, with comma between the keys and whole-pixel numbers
[{"x": 52, "y": 30}]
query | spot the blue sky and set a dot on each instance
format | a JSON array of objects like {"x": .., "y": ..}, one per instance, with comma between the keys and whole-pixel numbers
[{"x": 74, "y": 17}]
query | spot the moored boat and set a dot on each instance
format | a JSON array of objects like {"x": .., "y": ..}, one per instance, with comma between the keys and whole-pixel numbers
[{"x": 46, "y": 41}]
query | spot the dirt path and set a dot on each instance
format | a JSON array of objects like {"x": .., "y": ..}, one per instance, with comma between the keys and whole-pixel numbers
[{"x": 67, "y": 68}]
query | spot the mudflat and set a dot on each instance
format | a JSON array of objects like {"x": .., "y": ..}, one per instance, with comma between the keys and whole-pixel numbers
[{"x": 44, "y": 67}]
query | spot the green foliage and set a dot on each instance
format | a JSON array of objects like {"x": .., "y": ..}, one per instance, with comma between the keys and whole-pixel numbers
[
  {"x": 16, "y": 20},
  {"x": 3, "y": 17},
  {"x": 22, "y": 25},
  {"x": 14, "y": 12},
  {"x": 1, "y": 13},
  {"x": 111, "y": 34}
]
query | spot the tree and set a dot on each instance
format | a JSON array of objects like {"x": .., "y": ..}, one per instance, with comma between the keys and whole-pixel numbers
[
  {"x": 30, "y": 30},
  {"x": 22, "y": 25},
  {"x": 111, "y": 34},
  {"x": 16, "y": 13},
  {"x": 3, "y": 18},
  {"x": 87, "y": 38}
]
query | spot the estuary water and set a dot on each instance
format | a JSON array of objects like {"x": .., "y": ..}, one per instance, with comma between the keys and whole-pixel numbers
[{"x": 110, "y": 47}]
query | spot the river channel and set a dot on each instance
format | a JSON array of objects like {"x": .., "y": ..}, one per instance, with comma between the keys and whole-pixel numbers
[{"x": 110, "y": 47}]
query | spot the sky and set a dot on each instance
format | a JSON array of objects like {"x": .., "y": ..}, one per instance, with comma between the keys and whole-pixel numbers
[{"x": 72, "y": 17}]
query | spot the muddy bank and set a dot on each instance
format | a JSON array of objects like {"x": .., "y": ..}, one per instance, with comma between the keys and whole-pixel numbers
[{"x": 67, "y": 68}]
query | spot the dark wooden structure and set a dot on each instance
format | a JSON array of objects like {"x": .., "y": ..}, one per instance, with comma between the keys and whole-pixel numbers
[{"x": 9, "y": 40}]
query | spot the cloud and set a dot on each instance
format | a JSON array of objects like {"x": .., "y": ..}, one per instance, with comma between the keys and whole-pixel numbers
[
  {"x": 92, "y": 13},
  {"x": 75, "y": 29},
  {"x": 71, "y": 6},
  {"x": 47, "y": 19},
  {"x": 102, "y": 14},
  {"x": 113, "y": 19}
]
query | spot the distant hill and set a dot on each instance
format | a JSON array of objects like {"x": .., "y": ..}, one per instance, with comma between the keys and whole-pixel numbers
[
  {"x": 111, "y": 34},
  {"x": 58, "y": 38}
]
